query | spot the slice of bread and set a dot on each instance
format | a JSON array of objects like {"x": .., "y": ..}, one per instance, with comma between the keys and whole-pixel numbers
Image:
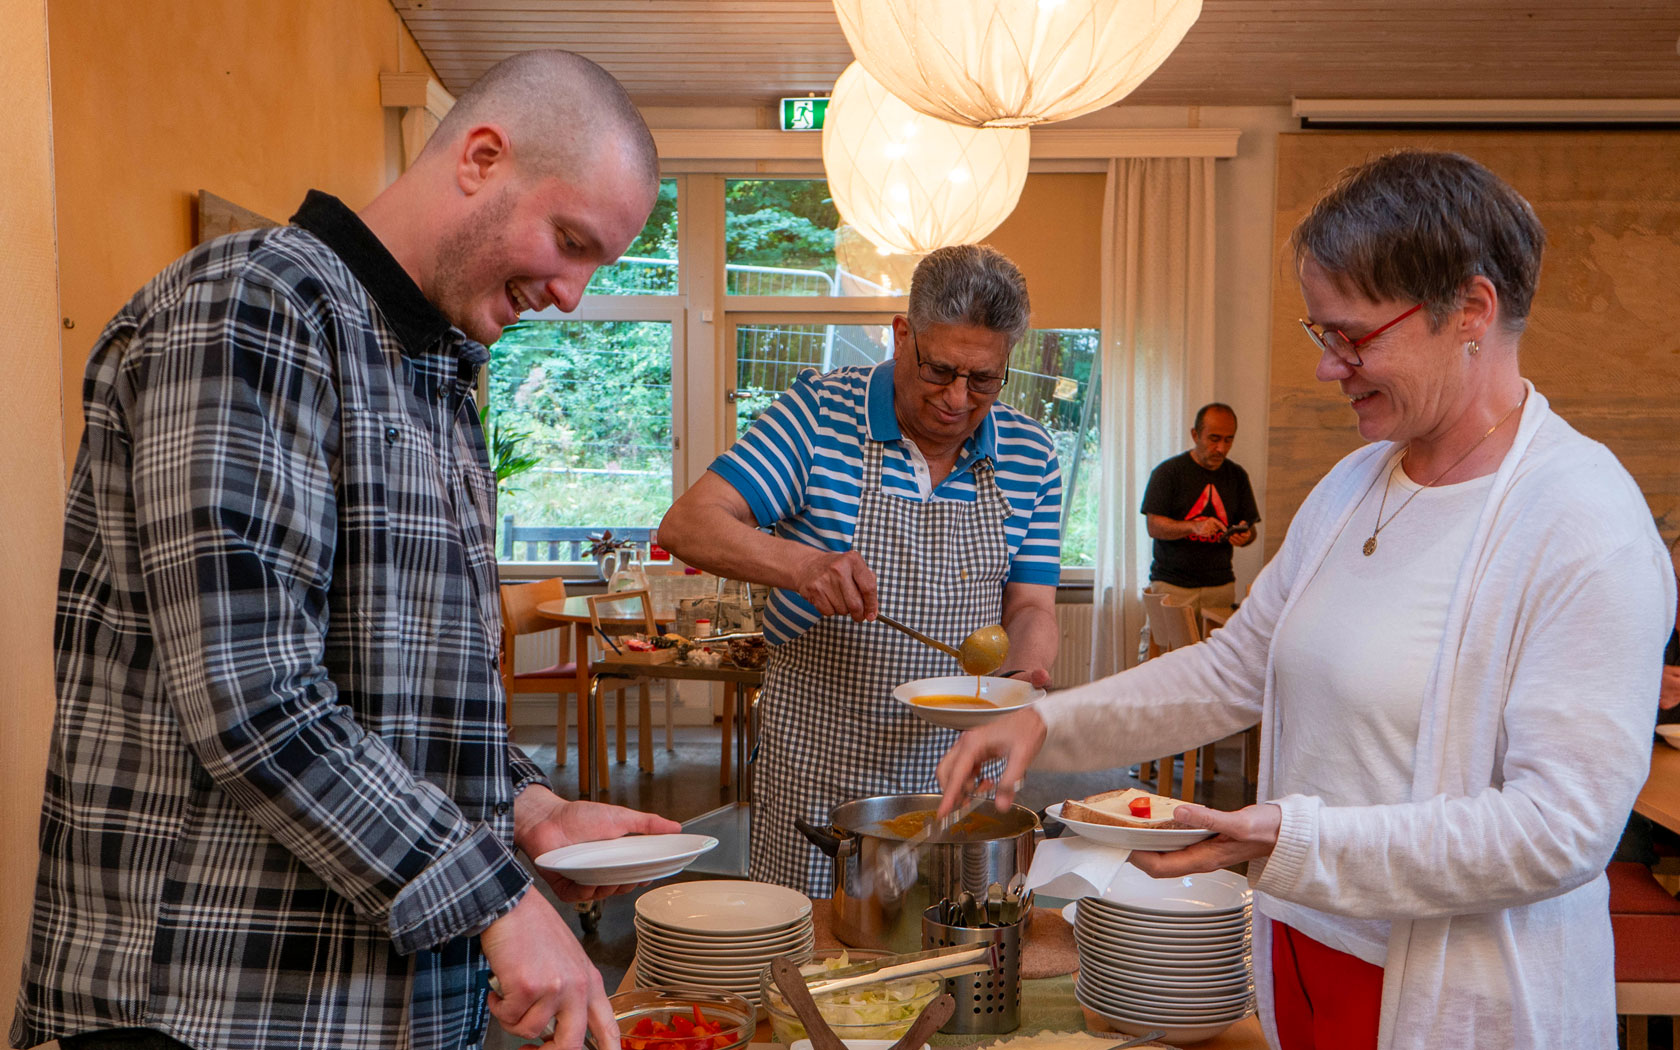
[{"x": 1114, "y": 808}]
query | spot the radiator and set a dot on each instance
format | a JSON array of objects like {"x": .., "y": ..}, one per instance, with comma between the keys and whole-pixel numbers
[{"x": 1073, "y": 654}]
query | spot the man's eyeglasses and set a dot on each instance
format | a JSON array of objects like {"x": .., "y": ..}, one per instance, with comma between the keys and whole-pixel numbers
[
  {"x": 1335, "y": 341},
  {"x": 945, "y": 375}
]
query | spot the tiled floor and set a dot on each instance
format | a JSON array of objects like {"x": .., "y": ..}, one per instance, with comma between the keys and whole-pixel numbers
[{"x": 684, "y": 785}]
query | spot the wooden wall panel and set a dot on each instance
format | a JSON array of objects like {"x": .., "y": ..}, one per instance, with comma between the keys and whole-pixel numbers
[{"x": 1603, "y": 341}]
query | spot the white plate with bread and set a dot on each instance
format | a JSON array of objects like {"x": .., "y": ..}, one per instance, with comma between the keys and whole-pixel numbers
[{"x": 1128, "y": 818}]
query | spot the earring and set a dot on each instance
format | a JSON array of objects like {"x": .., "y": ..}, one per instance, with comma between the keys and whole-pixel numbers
[{"x": 1473, "y": 348}]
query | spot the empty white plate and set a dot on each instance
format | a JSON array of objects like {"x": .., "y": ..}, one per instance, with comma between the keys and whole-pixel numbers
[
  {"x": 749, "y": 942},
  {"x": 1123, "y": 922},
  {"x": 723, "y": 906},
  {"x": 633, "y": 858},
  {"x": 1200, "y": 894},
  {"x": 723, "y": 954}
]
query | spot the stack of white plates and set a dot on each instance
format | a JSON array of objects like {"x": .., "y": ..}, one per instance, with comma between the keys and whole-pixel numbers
[
  {"x": 1171, "y": 954},
  {"x": 718, "y": 935}
]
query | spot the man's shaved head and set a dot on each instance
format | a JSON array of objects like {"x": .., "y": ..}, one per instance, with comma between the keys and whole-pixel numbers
[{"x": 560, "y": 112}]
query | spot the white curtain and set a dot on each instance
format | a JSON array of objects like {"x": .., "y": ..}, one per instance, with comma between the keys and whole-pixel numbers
[{"x": 1157, "y": 367}]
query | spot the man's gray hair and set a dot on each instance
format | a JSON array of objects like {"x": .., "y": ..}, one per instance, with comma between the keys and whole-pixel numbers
[
  {"x": 970, "y": 284},
  {"x": 559, "y": 109}
]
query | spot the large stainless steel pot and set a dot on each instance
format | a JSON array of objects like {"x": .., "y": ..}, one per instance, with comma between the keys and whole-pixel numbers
[{"x": 988, "y": 847}]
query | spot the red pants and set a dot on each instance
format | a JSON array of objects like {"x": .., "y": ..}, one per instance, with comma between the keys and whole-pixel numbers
[{"x": 1325, "y": 999}]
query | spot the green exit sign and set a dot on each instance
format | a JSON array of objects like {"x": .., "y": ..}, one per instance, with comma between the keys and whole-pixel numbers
[{"x": 803, "y": 114}]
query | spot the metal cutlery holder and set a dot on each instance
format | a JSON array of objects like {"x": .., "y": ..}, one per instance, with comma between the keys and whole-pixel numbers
[{"x": 988, "y": 1003}]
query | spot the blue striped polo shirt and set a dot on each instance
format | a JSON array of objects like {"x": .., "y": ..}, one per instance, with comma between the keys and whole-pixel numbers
[{"x": 800, "y": 469}]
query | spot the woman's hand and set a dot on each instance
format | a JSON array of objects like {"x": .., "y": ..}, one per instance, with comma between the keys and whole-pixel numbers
[
  {"x": 543, "y": 821},
  {"x": 1247, "y": 834},
  {"x": 1015, "y": 737}
]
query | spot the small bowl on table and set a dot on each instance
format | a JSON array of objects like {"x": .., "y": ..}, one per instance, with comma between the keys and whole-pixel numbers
[
  {"x": 736, "y": 1017},
  {"x": 964, "y": 700},
  {"x": 853, "y": 1013},
  {"x": 1670, "y": 734}
]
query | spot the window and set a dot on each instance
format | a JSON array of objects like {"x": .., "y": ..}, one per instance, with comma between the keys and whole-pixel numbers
[
  {"x": 1050, "y": 379},
  {"x": 1053, "y": 378},
  {"x": 592, "y": 400},
  {"x": 785, "y": 237},
  {"x": 770, "y": 354},
  {"x": 649, "y": 265},
  {"x": 620, "y": 402}
]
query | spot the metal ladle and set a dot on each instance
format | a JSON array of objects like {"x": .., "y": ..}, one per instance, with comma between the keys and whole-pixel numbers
[{"x": 981, "y": 653}]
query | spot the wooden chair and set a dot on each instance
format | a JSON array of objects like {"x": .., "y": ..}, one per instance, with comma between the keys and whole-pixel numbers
[
  {"x": 520, "y": 617},
  {"x": 619, "y": 621},
  {"x": 1646, "y": 922},
  {"x": 1172, "y": 625}
]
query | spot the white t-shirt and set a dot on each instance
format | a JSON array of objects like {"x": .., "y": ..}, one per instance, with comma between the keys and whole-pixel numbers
[{"x": 1353, "y": 660}]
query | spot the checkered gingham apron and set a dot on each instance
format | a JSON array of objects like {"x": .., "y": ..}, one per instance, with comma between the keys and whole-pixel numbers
[{"x": 831, "y": 730}]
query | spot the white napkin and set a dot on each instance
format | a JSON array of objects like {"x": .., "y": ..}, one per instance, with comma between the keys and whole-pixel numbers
[{"x": 1075, "y": 867}]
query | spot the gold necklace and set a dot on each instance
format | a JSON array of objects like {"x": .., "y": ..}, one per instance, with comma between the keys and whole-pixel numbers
[{"x": 1371, "y": 544}]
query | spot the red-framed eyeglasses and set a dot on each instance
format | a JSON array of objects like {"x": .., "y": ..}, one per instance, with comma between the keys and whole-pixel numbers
[{"x": 1335, "y": 341}]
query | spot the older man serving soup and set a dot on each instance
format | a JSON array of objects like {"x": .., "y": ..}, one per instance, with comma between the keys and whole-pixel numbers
[{"x": 904, "y": 489}]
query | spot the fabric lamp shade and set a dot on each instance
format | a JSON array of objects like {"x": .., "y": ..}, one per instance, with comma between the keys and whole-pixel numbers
[
  {"x": 1013, "y": 63},
  {"x": 910, "y": 183},
  {"x": 887, "y": 272}
]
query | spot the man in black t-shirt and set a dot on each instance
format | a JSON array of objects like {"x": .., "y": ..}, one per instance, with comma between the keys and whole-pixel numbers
[{"x": 1199, "y": 505}]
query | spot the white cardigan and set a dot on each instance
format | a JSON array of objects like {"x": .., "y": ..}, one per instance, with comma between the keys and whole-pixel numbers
[{"x": 1534, "y": 741}]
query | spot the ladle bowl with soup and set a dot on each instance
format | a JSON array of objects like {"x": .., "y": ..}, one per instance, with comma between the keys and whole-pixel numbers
[{"x": 965, "y": 701}]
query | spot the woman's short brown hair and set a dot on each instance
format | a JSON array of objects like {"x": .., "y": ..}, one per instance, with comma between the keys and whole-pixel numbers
[{"x": 1417, "y": 224}]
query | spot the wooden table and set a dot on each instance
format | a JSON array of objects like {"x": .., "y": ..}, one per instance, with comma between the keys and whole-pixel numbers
[
  {"x": 736, "y": 680},
  {"x": 575, "y": 611},
  {"x": 1659, "y": 799}
]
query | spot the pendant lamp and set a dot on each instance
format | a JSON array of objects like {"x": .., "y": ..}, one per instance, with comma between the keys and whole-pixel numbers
[
  {"x": 910, "y": 183},
  {"x": 868, "y": 269},
  {"x": 1013, "y": 63}
]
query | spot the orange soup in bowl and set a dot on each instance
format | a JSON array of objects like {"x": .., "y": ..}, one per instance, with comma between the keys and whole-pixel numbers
[{"x": 950, "y": 700}]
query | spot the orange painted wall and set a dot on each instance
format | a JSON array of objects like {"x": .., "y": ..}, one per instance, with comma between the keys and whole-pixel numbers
[
  {"x": 254, "y": 100},
  {"x": 1055, "y": 236},
  {"x": 31, "y": 473}
]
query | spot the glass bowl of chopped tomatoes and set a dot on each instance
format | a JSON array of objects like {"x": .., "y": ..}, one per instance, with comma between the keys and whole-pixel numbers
[{"x": 683, "y": 1019}]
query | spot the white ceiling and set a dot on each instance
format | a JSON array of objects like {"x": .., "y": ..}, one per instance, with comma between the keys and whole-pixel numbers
[{"x": 1240, "y": 52}]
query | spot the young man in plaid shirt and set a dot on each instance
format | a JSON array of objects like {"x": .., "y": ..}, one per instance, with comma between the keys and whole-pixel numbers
[{"x": 281, "y": 807}]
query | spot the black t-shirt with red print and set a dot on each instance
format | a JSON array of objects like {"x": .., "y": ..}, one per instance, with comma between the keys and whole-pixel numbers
[{"x": 1182, "y": 489}]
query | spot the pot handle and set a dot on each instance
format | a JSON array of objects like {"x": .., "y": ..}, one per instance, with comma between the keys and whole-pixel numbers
[
  {"x": 824, "y": 837},
  {"x": 1049, "y": 827}
]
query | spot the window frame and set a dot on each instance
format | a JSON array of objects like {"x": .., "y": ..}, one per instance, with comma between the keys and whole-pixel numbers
[{"x": 657, "y": 309}]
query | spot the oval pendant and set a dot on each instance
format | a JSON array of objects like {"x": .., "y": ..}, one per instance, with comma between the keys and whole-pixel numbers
[{"x": 1370, "y": 546}]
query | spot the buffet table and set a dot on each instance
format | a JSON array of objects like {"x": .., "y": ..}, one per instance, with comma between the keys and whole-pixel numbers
[
  {"x": 1659, "y": 799},
  {"x": 1046, "y": 1005}
]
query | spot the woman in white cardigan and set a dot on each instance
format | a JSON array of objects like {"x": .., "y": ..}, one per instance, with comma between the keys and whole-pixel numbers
[{"x": 1454, "y": 659}]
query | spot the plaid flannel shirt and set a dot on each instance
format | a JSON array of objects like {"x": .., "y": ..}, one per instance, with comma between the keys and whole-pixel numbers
[{"x": 279, "y": 795}]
